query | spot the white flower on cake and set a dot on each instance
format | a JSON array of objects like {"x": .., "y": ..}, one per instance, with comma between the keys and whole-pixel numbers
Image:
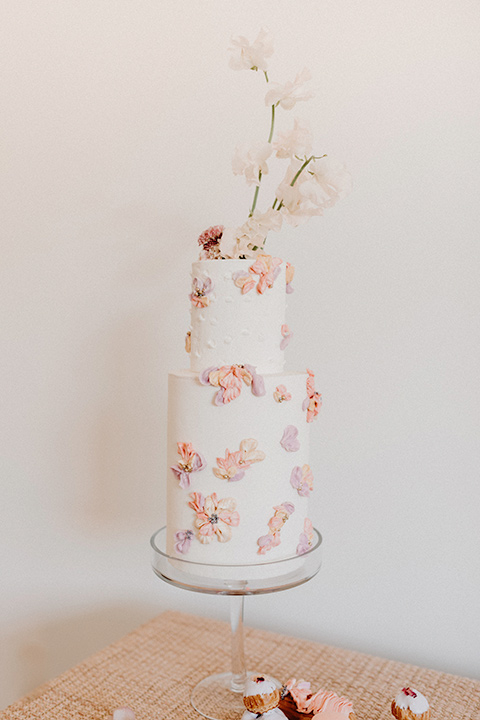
[
  {"x": 251, "y": 56},
  {"x": 312, "y": 182}
]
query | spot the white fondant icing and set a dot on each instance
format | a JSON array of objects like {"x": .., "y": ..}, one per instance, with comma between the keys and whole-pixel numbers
[
  {"x": 255, "y": 687},
  {"x": 417, "y": 705},
  {"x": 259, "y": 314},
  {"x": 193, "y": 417}
]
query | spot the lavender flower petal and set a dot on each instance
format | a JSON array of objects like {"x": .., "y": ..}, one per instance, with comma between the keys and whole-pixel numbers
[
  {"x": 289, "y": 289},
  {"x": 305, "y": 403},
  {"x": 238, "y": 476},
  {"x": 258, "y": 383},
  {"x": 199, "y": 463},
  {"x": 264, "y": 540},
  {"x": 290, "y": 441},
  {"x": 296, "y": 477},
  {"x": 207, "y": 285},
  {"x": 218, "y": 400},
  {"x": 184, "y": 479},
  {"x": 203, "y": 377},
  {"x": 289, "y": 507}
]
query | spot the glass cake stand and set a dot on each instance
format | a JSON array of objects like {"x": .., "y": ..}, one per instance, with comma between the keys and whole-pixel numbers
[{"x": 220, "y": 697}]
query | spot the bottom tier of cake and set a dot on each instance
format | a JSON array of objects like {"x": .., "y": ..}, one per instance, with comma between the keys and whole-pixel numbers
[{"x": 238, "y": 481}]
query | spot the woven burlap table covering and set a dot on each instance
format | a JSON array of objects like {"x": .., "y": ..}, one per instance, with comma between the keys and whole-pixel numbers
[{"x": 153, "y": 669}]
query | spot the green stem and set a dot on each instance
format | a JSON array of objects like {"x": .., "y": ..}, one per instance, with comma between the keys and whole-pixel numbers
[
  {"x": 272, "y": 124},
  {"x": 255, "y": 197},
  {"x": 301, "y": 170},
  {"x": 297, "y": 175},
  {"x": 257, "y": 189}
]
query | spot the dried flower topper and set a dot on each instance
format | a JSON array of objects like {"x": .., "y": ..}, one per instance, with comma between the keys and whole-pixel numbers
[{"x": 311, "y": 183}]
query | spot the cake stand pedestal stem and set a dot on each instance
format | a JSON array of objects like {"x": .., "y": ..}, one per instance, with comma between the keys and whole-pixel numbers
[
  {"x": 239, "y": 674},
  {"x": 220, "y": 696}
]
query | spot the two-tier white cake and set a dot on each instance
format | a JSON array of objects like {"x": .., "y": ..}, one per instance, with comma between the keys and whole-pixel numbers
[{"x": 239, "y": 485}]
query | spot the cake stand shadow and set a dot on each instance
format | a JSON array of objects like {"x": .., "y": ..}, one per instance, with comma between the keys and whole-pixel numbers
[{"x": 220, "y": 697}]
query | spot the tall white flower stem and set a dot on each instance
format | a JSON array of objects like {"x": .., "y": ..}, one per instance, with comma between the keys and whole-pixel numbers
[{"x": 257, "y": 189}]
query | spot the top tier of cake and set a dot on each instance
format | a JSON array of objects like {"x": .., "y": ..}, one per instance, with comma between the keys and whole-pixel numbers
[{"x": 238, "y": 314}]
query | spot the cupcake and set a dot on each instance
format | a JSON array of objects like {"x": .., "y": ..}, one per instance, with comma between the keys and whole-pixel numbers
[
  {"x": 410, "y": 705},
  {"x": 261, "y": 695}
]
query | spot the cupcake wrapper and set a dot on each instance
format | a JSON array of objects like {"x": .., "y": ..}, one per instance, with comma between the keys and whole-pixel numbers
[
  {"x": 262, "y": 703},
  {"x": 407, "y": 714}
]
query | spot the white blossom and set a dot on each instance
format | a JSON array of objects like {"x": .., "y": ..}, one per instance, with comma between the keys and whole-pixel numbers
[
  {"x": 332, "y": 177},
  {"x": 248, "y": 239},
  {"x": 251, "y": 162},
  {"x": 318, "y": 187},
  {"x": 291, "y": 92},
  {"x": 246, "y": 56},
  {"x": 297, "y": 141}
]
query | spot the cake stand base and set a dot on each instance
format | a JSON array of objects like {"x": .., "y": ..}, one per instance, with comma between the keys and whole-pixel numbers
[
  {"x": 216, "y": 698},
  {"x": 220, "y": 697}
]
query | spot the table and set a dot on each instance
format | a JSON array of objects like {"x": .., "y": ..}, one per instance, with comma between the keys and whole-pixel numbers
[{"x": 153, "y": 669}]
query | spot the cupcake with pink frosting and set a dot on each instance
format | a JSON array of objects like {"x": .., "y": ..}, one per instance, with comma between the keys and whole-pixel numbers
[{"x": 410, "y": 704}]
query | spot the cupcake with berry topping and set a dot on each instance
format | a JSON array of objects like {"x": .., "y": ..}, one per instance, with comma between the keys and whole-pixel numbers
[
  {"x": 261, "y": 698},
  {"x": 410, "y": 704}
]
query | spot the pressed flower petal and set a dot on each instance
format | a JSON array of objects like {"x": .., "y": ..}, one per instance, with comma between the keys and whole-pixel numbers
[
  {"x": 218, "y": 400},
  {"x": 223, "y": 532},
  {"x": 204, "y": 376},
  {"x": 290, "y": 441}
]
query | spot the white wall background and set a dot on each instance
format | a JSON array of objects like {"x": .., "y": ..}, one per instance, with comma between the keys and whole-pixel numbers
[{"x": 119, "y": 120}]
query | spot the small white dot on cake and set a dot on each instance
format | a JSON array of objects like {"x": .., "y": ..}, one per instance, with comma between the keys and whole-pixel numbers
[
  {"x": 201, "y": 317},
  {"x": 228, "y": 299},
  {"x": 197, "y": 354},
  {"x": 227, "y": 276},
  {"x": 211, "y": 344},
  {"x": 227, "y": 339}
]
